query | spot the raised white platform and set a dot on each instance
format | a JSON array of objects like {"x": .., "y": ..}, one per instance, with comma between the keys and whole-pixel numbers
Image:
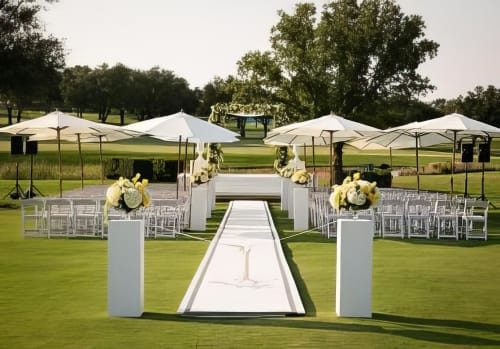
[
  {"x": 248, "y": 185},
  {"x": 244, "y": 272}
]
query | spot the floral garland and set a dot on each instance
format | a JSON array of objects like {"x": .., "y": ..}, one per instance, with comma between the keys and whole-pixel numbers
[
  {"x": 127, "y": 195},
  {"x": 355, "y": 194}
]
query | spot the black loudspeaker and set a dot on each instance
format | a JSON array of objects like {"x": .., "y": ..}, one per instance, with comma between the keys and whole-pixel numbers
[
  {"x": 483, "y": 152},
  {"x": 16, "y": 145},
  {"x": 31, "y": 147},
  {"x": 467, "y": 152}
]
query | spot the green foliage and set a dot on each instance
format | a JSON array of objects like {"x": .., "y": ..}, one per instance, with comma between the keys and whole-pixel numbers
[
  {"x": 221, "y": 111},
  {"x": 30, "y": 60},
  {"x": 147, "y": 94},
  {"x": 354, "y": 56}
]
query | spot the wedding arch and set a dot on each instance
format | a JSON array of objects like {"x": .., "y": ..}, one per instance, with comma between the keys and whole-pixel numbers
[{"x": 263, "y": 113}]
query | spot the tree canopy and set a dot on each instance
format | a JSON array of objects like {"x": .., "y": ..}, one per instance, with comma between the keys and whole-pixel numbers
[
  {"x": 354, "y": 55},
  {"x": 30, "y": 60}
]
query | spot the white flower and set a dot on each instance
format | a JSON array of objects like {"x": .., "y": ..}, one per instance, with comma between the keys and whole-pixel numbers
[{"x": 356, "y": 197}]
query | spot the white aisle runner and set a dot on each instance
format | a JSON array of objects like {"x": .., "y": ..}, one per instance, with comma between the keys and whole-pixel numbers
[{"x": 244, "y": 272}]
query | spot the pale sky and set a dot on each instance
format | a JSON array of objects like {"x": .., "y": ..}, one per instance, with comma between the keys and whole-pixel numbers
[{"x": 200, "y": 39}]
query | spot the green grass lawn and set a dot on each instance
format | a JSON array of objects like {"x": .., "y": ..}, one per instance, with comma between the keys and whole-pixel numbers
[{"x": 426, "y": 294}]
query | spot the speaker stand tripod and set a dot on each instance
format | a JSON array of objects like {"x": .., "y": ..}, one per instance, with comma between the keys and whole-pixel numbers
[
  {"x": 32, "y": 190},
  {"x": 16, "y": 192}
]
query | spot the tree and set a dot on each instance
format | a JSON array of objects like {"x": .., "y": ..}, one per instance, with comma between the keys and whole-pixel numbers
[
  {"x": 76, "y": 87},
  {"x": 355, "y": 57},
  {"x": 30, "y": 61}
]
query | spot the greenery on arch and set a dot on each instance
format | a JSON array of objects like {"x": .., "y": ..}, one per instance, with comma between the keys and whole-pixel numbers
[{"x": 221, "y": 111}]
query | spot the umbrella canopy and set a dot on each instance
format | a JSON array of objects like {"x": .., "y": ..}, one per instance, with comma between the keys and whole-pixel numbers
[
  {"x": 291, "y": 139},
  {"x": 185, "y": 127},
  {"x": 58, "y": 126},
  {"x": 181, "y": 127},
  {"x": 105, "y": 133},
  {"x": 324, "y": 126},
  {"x": 333, "y": 127},
  {"x": 402, "y": 137},
  {"x": 458, "y": 126}
]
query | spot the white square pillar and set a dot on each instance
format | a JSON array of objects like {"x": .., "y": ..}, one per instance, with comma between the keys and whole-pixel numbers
[
  {"x": 199, "y": 203},
  {"x": 284, "y": 193},
  {"x": 126, "y": 268},
  {"x": 291, "y": 186},
  {"x": 354, "y": 268},
  {"x": 300, "y": 208}
]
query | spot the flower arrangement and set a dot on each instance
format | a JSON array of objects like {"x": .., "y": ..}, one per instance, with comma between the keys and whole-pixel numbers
[
  {"x": 355, "y": 194},
  {"x": 301, "y": 177},
  {"x": 127, "y": 195},
  {"x": 201, "y": 176}
]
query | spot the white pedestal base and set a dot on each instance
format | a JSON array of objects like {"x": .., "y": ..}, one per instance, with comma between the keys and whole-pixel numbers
[
  {"x": 126, "y": 268},
  {"x": 301, "y": 208},
  {"x": 291, "y": 186},
  {"x": 284, "y": 193},
  {"x": 354, "y": 268},
  {"x": 199, "y": 203}
]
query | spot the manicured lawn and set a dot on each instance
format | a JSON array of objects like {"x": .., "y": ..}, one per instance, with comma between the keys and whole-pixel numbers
[{"x": 426, "y": 294}]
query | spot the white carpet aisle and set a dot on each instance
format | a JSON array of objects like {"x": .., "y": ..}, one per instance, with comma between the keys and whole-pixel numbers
[{"x": 244, "y": 272}]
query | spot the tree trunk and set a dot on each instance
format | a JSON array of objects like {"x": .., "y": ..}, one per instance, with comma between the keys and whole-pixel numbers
[
  {"x": 19, "y": 112},
  {"x": 338, "y": 165},
  {"x": 243, "y": 123},
  {"x": 9, "y": 114},
  {"x": 122, "y": 117}
]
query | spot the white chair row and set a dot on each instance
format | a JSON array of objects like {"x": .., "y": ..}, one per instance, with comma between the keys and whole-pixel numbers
[
  {"x": 410, "y": 216},
  {"x": 48, "y": 217}
]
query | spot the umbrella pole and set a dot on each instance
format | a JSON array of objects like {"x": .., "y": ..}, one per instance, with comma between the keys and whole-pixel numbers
[
  {"x": 305, "y": 156},
  {"x": 313, "y": 155},
  {"x": 314, "y": 165},
  {"x": 81, "y": 158},
  {"x": 100, "y": 159},
  {"x": 178, "y": 165},
  {"x": 331, "y": 157},
  {"x": 390, "y": 156},
  {"x": 185, "y": 161},
  {"x": 453, "y": 160},
  {"x": 482, "y": 183},
  {"x": 418, "y": 171},
  {"x": 60, "y": 160}
]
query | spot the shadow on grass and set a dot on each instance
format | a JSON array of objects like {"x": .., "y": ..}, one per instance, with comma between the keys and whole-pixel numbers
[
  {"x": 440, "y": 333},
  {"x": 492, "y": 240},
  {"x": 307, "y": 301}
]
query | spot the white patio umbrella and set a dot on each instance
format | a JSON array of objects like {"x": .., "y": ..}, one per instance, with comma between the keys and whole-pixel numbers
[
  {"x": 105, "y": 133},
  {"x": 404, "y": 137},
  {"x": 181, "y": 127},
  {"x": 458, "y": 126},
  {"x": 56, "y": 125},
  {"x": 184, "y": 126},
  {"x": 335, "y": 128}
]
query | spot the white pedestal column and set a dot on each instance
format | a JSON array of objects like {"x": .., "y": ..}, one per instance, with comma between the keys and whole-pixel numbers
[
  {"x": 284, "y": 193},
  {"x": 354, "y": 268},
  {"x": 301, "y": 208},
  {"x": 199, "y": 197},
  {"x": 291, "y": 186},
  {"x": 126, "y": 268}
]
